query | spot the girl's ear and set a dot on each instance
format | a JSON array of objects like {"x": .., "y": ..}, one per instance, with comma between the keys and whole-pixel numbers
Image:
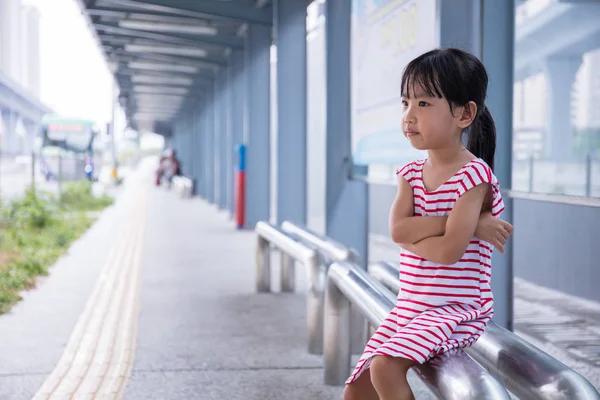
[{"x": 466, "y": 115}]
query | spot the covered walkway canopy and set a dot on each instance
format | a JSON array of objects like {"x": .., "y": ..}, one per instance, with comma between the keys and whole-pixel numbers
[
  {"x": 165, "y": 52},
  {"x": 199, "y": 73}
]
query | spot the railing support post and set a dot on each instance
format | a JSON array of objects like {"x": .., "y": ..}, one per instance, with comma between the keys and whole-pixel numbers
[
  {"x": 337, "y": 349},
  {"x": 315, "y": 304},
  {"x": 287, "y": 272},
  {"x": 263, "y": 265}
]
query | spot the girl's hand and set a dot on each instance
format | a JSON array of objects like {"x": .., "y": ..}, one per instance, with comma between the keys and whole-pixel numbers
[{"x": 493, "y": 230}]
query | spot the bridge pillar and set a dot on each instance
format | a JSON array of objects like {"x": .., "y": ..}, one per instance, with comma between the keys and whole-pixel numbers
[
  {"x": 10, "y": 139},
  {"x": 290, "y": 31},
  {"x": 257, "y": 124},
  {"x": 32, "y": 131},
  {"x": 560, "y": 74}
]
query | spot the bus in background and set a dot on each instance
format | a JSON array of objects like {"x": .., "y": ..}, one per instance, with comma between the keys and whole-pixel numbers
[{"x": 67, "y": 148}]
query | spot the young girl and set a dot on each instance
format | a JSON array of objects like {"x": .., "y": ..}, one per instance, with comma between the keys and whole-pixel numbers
[{"x": 445, "y": 218}]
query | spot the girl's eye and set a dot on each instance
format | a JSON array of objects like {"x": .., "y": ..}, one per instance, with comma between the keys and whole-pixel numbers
[
  {"x": 404, "y": 103},
  {"x": 423, "y": 104}
]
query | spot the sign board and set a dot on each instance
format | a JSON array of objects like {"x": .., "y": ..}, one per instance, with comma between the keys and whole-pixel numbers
[
  {"x": 75, "y": 135},
  {"x": 386, "y": 35}
]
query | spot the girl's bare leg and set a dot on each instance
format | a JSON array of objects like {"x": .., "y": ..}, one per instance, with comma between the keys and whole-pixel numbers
[
  {"x": 388, "y": 376},
  {"x": 361, "y": 389}
]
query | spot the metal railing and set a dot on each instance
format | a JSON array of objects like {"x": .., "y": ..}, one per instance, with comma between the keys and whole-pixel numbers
[
  {"x": 450, "y": 376},
  {"x": 268, "y": 237},
  {"x": 527, "y": 372},
  {"x": 333, "y": 251}
]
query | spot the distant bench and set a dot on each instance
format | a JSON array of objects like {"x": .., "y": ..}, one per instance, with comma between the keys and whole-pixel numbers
[{"x": 183, "y": 186}]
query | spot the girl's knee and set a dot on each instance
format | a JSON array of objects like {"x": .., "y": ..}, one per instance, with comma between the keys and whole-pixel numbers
[
  {"x": 384, "y": 368},
  {"x": 361, "y": 389},
  {"x": 352, "y": 392}
]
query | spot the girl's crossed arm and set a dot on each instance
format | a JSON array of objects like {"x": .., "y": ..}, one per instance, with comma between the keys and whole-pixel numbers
[
  {"x": 404, "y": 226},
  {"x": 406, "y": 229},
  {"x": 451, "y": 246}
]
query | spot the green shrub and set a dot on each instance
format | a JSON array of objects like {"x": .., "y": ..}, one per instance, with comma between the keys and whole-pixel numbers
[
  {"x": 36, "y": 230},
  {"x": 79, "y": 196},
  {"x": 30, "y": 212}
]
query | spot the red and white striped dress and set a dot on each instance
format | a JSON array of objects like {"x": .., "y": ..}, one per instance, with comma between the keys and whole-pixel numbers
[{"x": 439, "y": 307}]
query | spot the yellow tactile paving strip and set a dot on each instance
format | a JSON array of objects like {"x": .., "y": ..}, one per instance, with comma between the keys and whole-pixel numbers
[{"x": 98, "y": 358}]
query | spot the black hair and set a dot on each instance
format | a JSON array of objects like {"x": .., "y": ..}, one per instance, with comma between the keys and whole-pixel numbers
[{"x": 459, "y": 77}]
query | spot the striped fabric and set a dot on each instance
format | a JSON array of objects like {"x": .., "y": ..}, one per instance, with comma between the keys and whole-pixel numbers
[{"x": 439, "y": 307}]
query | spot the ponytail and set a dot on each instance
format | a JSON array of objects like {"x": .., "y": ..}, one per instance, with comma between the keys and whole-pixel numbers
[{"x": 482, "y": 137}]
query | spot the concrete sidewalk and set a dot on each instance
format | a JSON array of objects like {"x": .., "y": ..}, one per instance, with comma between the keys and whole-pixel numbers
[{"x": 203, "y": 331}]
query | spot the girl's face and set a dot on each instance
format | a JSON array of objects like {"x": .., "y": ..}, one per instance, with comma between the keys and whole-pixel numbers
[{"x": 427, "y": 121}]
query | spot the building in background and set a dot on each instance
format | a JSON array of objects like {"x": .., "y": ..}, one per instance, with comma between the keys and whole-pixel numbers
[
  {"x": 30, "y": 50},
  {"x": 20, "y": 44},
  {"x": 20, "y": 73},
  {"x": 10, "y": 33}
]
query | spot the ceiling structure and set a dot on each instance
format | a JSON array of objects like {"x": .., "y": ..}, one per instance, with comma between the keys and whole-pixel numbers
[{"x": 163, "y": 52}]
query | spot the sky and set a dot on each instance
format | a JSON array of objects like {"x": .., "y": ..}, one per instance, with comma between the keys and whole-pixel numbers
[{"x": 75, "y": 79}]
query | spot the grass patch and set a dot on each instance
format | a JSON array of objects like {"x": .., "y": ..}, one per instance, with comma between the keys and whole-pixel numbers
[
  {"x": 78, "y": 197},
  {"x": 36, "y": 230}
]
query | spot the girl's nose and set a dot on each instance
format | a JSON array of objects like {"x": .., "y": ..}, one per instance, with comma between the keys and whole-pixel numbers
[{"x": 409, "y": 115}]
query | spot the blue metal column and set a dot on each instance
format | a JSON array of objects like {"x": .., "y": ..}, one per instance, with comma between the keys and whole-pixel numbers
[
  {"x": 460, "y": 25},
  {"x": 237, "y": 108},
  {"x": 209, "y": 112},
  {"x": 238, "y": 99},
  {"x": 183, "y": 144},
  {"x": 223, "y": 150},
  {"x": 228, "y": 149},
  {"x": 203, "y": 144},
  {"x": 192, "y": 168},
  {"x": 346, "y": 201},
  {"x": 498, "y": 57},
  {"x": 178, "y": 135},
  {"x": 290, "y": 31},
  {"x": 218, "y": 122},
  {"x": 189, "y": 147},
  {"x": 257, "y": 127},
  {"x": 173, "y": 141},
  {"x": 198, "y": 156},
  {"x": 200, "y": 149}
]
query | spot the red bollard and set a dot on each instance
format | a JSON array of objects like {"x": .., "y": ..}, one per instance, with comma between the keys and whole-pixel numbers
[
  {"x": 240, "y": 189},
  {"x": 240, "y": 203}
]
